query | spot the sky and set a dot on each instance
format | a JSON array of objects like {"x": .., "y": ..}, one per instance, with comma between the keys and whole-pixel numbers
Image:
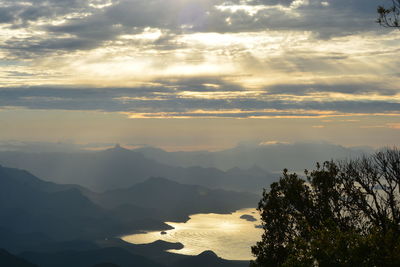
[{"x": 198, "y": 74}]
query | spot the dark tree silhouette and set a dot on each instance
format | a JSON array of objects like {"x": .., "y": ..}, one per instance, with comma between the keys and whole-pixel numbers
[
  {"x": 389, "y": 16},
  {"x": 342, "y": 214}
]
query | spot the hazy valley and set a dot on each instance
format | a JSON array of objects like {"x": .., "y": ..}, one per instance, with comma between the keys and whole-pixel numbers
[{"x": 78, "y": 204}]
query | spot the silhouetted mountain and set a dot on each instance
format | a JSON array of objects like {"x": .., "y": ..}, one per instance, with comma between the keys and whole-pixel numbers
[
  {"x": 156, "y": 252},
  {"x": 117, "y": 256},
  {"x": 44, "y": 216},
  {"x": 209, "y": 259},
  {"x": 36, "y": 214},
  {"x": 174, "y": 200},
  {"x": 103, "y": 170},
  {"x": 118, "y": 168},
  {"x": 273, "y": 157},
  {"x": 114, "y": 255},
  {"x": 61, "y": 226},
  {"x": 27, "y": 206},
  {"x": 17, "y": 242},
  {"x": 105, "y": 265},
  {"x": 9, "y": 260}
]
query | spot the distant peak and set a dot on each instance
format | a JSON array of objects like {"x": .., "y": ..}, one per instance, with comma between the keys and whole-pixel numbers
[
  {"x": 208, "y": 253},
  {"x": 118, "y": 148}
]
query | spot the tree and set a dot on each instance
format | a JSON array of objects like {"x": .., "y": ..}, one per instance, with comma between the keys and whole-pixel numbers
[
  {"x": 341, "y": 214},
  {"x": 389, "y": 17}
]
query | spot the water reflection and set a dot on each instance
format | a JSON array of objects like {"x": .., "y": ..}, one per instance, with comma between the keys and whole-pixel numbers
[{"x": 228, "y": 235}]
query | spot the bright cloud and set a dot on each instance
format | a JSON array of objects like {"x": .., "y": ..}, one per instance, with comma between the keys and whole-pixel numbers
[{"x": 200, "y": 59}]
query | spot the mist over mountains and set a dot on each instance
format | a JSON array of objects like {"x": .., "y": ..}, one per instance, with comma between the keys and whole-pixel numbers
[
  {"x": 58, "y": 225},
  {"x": 119, "y": 168},
  {"x": 83, "y": 200},
  {"x": 30, "y": 205},
  {"x": 247, "y": 167},
  {"x": 173, "y": 200},
  {"x": 59, "y": 213},
  {"x": 273, "y": 157}
]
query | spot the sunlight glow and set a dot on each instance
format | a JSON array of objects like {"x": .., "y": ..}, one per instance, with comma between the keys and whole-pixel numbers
[
  {"x": 249, "y": 9},
  {"x": 227, "y": 235}
]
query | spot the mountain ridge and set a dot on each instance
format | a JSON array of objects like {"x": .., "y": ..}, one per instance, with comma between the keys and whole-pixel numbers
[{"x": 121, "y": 168}]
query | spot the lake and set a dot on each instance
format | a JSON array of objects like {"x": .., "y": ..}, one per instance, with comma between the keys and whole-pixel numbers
[{"x": 228, "y": 235}]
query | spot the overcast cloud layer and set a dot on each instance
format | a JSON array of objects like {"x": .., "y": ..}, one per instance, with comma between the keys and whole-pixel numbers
[{"x": 199, "y": 58}]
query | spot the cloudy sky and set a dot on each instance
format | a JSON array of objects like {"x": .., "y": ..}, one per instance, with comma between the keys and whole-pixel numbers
[{"x": 198, "y": 74}]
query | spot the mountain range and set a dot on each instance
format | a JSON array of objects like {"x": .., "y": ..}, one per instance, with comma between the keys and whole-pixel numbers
[
  {"x": 271, "y": 156},
  {"x": 45, "y": 223},
  {"x": 84, "y": 200},
  {"x": 120, "y": 168}
]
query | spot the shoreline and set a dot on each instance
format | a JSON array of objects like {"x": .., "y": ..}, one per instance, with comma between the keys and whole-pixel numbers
[{"x": 184, "y": 234}]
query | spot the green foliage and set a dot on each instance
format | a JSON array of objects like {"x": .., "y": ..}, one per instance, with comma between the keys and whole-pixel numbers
[{"x": 341, "y": 214}]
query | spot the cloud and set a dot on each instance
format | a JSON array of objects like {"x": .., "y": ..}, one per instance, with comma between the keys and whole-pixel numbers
[
  {"x": 191, "y": 97},
  {"x": 394, "y": 126},
  {"x": 156, "y": 58},
  {"x": 55, "y": 26},
  {"x": 273, "y": 142},
  {"x": 345, "y": 88},
  {"x": 23, "y": 13}
]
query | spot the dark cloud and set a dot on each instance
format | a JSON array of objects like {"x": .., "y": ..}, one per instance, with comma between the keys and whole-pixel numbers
[
  {"x": 348, "y": 88},
  {"x": 7, "y": 14},
  {"x": 21, "y": 12},
  {"x": 166, "y": 98},
  {"x": 89, "y": 27},
  {"x": 31, "y": 47},
  {"x": 18, "y": 74},
  {"x": 337, "y": 18}
]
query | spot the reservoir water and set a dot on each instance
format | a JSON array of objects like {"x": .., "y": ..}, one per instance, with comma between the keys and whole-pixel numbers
[{"x": 228, "y": 235}]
